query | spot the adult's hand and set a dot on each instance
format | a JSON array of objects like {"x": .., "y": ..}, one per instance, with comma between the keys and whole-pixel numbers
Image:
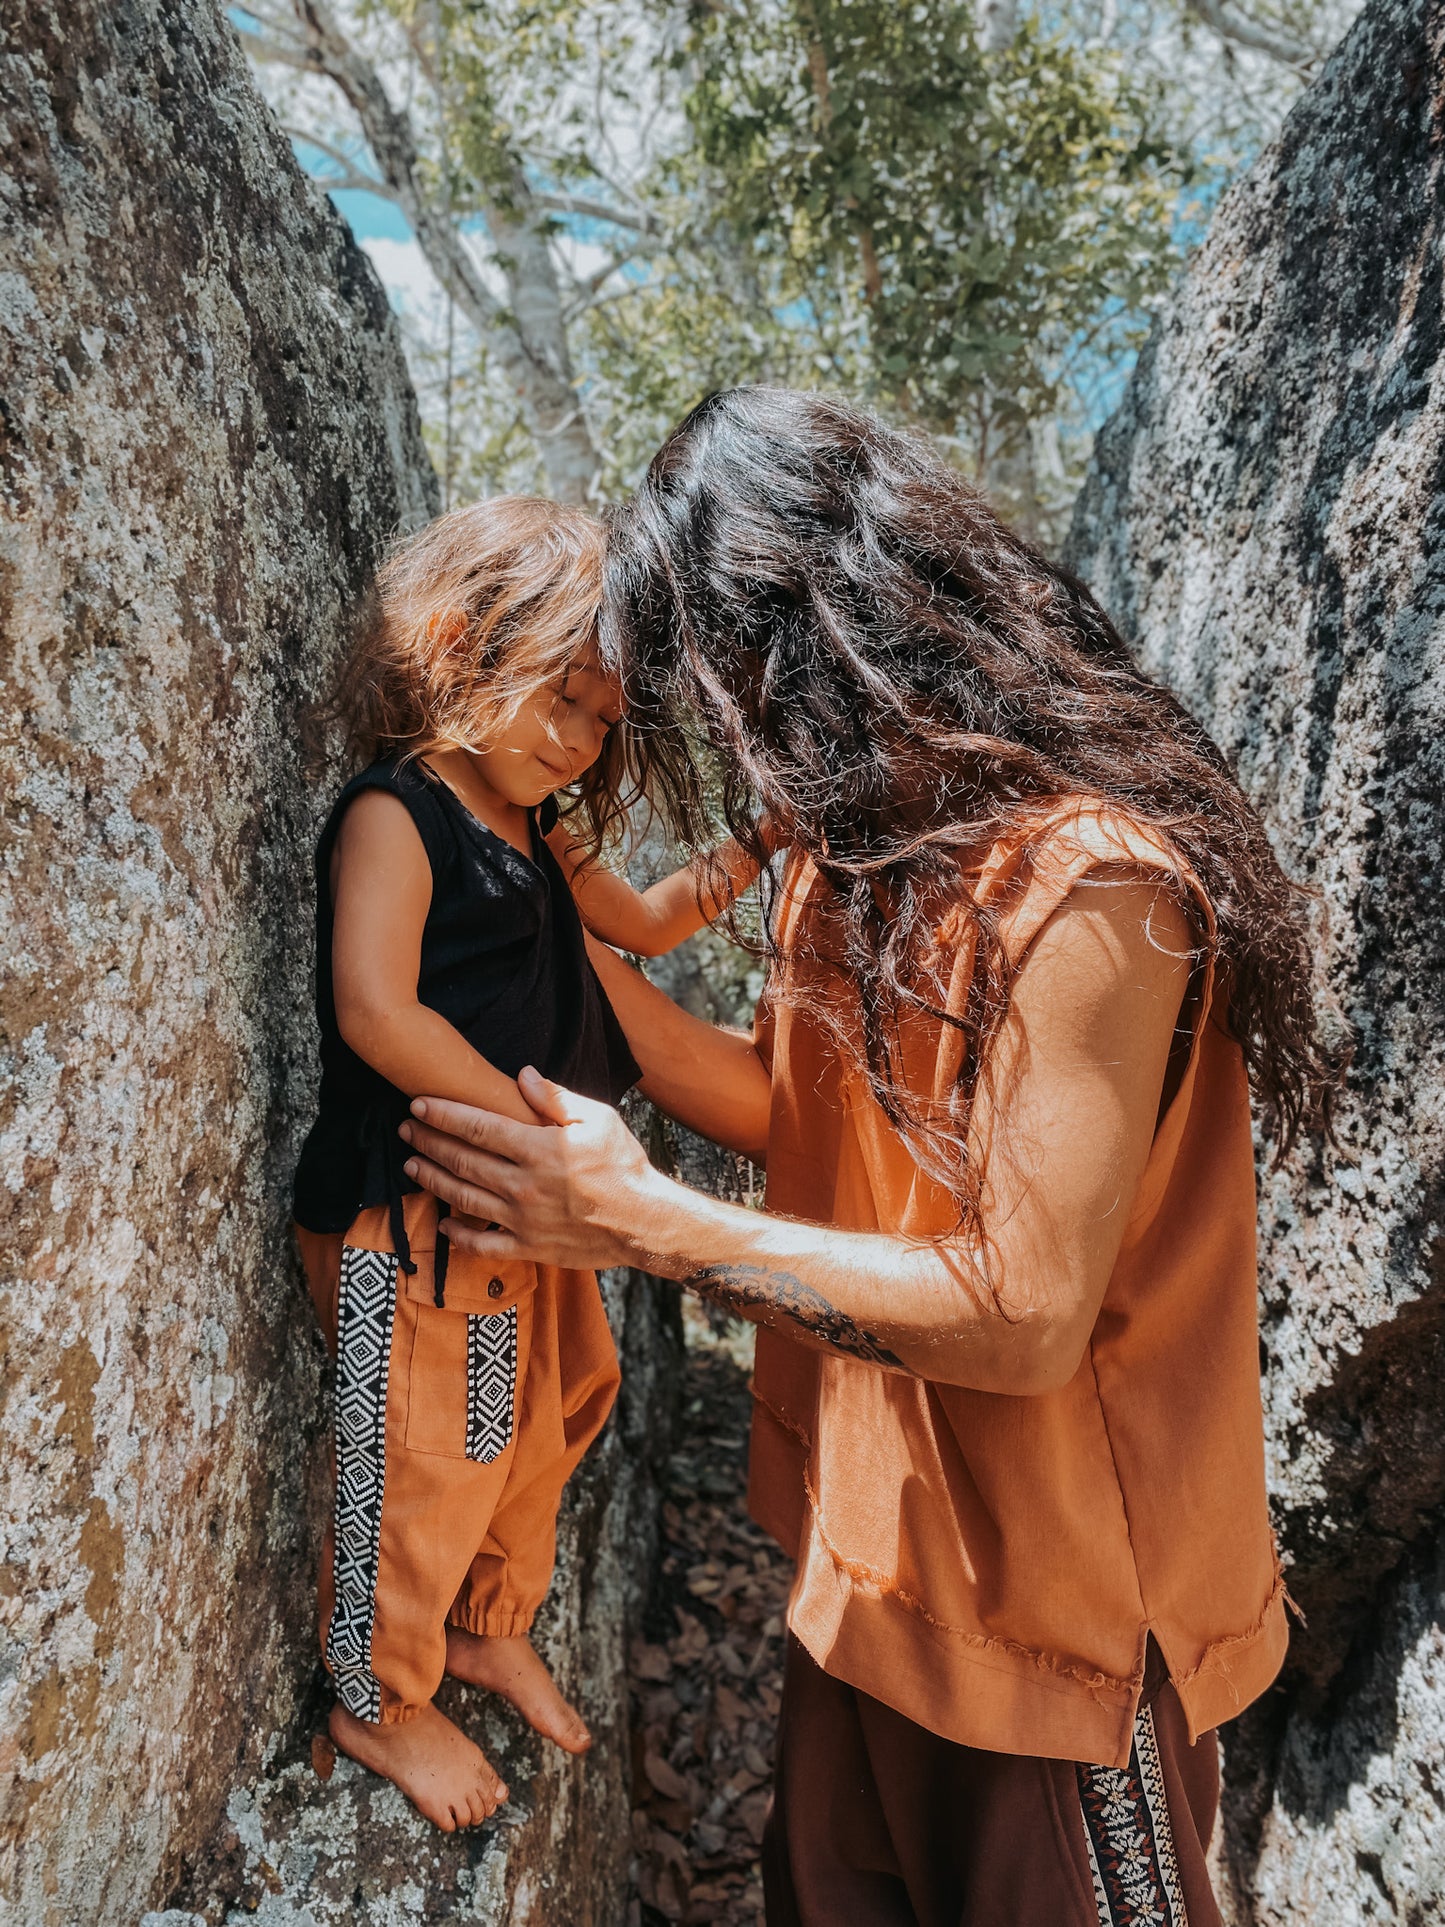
[
  {"x": 574, "y": 1196},
  {"x": 1075, "y": 1100}
]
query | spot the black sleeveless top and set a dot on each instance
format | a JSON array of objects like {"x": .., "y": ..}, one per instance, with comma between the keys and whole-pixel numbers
[{"x": 502, "y": 959}]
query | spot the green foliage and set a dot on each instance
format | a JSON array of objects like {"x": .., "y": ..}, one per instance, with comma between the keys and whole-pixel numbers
[
  {"x": 946, "y": 224},
  {"x": 503, "y": 80},
  {"x": 839, "y": 193}
]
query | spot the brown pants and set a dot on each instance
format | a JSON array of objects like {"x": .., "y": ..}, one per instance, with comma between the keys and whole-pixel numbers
[
  {"x": 457, "y": 1427},
  {"x": 878, "y": 1823}
]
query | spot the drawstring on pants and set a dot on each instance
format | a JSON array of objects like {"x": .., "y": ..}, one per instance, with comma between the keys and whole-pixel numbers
[
  {"x": 439, "y": 1267},
  {"x": 401, "y": 1244},
  {"x": 395, "y": 1156}
]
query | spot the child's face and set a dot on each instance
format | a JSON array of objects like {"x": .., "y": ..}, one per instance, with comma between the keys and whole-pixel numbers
[{"x": 555, "y": 735}]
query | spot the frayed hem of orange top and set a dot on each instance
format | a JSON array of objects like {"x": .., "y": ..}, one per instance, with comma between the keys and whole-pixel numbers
[
  {"x": 1214, "y": 1658},
  {"x": 886, "y": 1586}
]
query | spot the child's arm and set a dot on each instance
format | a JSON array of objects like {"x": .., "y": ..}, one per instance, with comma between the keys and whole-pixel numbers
[
  {"x": 381, "y": 891},
  {"x": 653, "y": 921}
]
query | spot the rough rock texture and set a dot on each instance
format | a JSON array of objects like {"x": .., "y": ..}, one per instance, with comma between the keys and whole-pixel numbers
[
  {"x": 1264, "y": 517},
  {"x": 206, "y": 432}
]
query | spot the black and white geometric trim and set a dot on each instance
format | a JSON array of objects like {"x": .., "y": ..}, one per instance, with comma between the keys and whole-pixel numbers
[
  {"x": 491, "y": 1382},
  {"x": 365, "y": 1315},
  {"x": 1156, "y": 1797},
  {"x": 1132, "y": 1860}
]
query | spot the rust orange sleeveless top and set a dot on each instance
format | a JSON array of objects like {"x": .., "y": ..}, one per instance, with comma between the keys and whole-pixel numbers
[{"x": 991, "y": 1565}]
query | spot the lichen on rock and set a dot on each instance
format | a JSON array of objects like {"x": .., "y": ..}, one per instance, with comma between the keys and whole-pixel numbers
[{"x": 207, "y": 436}]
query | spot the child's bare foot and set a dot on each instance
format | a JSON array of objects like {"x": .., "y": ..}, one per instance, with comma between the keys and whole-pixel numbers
[
  {"x": 445, "y": 1775},
  {"x": 512, "y": 1668}
]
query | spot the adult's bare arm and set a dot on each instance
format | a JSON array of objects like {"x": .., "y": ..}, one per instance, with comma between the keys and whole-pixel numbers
[
  {"x": 1078, "y": 1084},
  {"x": 709, "y": 1078}
]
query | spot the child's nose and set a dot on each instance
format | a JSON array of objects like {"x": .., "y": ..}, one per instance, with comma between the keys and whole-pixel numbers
[{"x": 582, "y": 734}]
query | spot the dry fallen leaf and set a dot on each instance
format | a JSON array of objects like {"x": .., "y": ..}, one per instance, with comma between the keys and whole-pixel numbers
[
  {"x": 729, "y": 1709},
  {"x": 703, "y": 1740},
  {"x": 675, "y": 1815},
  {"x": 743, "y": 1781},
  {"x": 650, "y": 1662},
  {"x": 732, "y": 1661},
  {"x": 670, "y": 1897},
  {"x": 667, "y": 1846},
  {"x": 665, "y": 1777},
  {"x": 323, "y": 1755},
  {"x": 754, "y": 1813}
]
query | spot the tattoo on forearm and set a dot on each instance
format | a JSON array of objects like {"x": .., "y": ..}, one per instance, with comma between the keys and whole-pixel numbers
[{"x": 744, "y": 1288}]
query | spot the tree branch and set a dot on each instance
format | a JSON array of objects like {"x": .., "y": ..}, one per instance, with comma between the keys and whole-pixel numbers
[
  {"x": 643, "y": 223},
  {"x": 584, "y": 293},
  {"x": 1231, "y": 22},
  {"x": 266, "y": 17},
  {"x": 998, "y": 24},
  {"x": 393, "y": 147},
  {"x": 275, "y": 53},
  {"x": 823, "y": 95},
  {"x": 351, "y": 176},
  {"x": 528, "y": 338}
]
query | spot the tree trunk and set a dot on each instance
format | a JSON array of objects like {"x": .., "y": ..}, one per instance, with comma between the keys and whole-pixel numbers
[
  {"x": 529, "y": 342},
  {"x": 998, "y": 22},
  {"x": 1007, "y": 471},
  {"x": 569, "y": 455},
  {"x": 1264, "y": 517},
  {"x": 208, "y": 435}
]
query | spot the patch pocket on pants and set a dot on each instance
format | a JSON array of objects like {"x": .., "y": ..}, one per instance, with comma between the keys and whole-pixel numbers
[{"x": 462, "y": 1391}]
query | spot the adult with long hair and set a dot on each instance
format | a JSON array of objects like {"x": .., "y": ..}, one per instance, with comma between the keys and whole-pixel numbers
[{"x": 1029, "y": 949}]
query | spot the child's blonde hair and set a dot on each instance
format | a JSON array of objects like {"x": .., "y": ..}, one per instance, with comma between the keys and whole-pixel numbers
[{"x": 471, "y": 617}]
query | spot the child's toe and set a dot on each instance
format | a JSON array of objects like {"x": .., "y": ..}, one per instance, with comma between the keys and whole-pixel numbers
[{"x": 571, "y": 1730}]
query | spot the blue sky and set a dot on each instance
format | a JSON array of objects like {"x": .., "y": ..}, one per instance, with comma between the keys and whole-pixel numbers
[{"x": 371, "y": 217}]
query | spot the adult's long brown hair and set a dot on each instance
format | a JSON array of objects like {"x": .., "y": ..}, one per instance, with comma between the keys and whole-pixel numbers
[{"x": 899, "y": 679}]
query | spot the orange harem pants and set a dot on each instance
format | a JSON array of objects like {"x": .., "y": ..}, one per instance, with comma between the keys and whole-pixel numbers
[{"x": 456, "y": 1429}]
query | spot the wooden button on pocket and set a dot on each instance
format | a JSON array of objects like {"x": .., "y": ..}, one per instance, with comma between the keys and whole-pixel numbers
[{"x": 472, "y": 1284}]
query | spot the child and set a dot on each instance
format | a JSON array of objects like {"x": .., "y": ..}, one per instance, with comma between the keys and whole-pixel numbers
[{"x": 450, "y": 953}]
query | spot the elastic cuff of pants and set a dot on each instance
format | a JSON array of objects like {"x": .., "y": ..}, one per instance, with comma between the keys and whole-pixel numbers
[{"x": 493, "y": 1622}]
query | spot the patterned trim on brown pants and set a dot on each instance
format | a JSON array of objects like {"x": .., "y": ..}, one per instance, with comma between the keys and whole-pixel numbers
[{"x": 877, "y": 1822}]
